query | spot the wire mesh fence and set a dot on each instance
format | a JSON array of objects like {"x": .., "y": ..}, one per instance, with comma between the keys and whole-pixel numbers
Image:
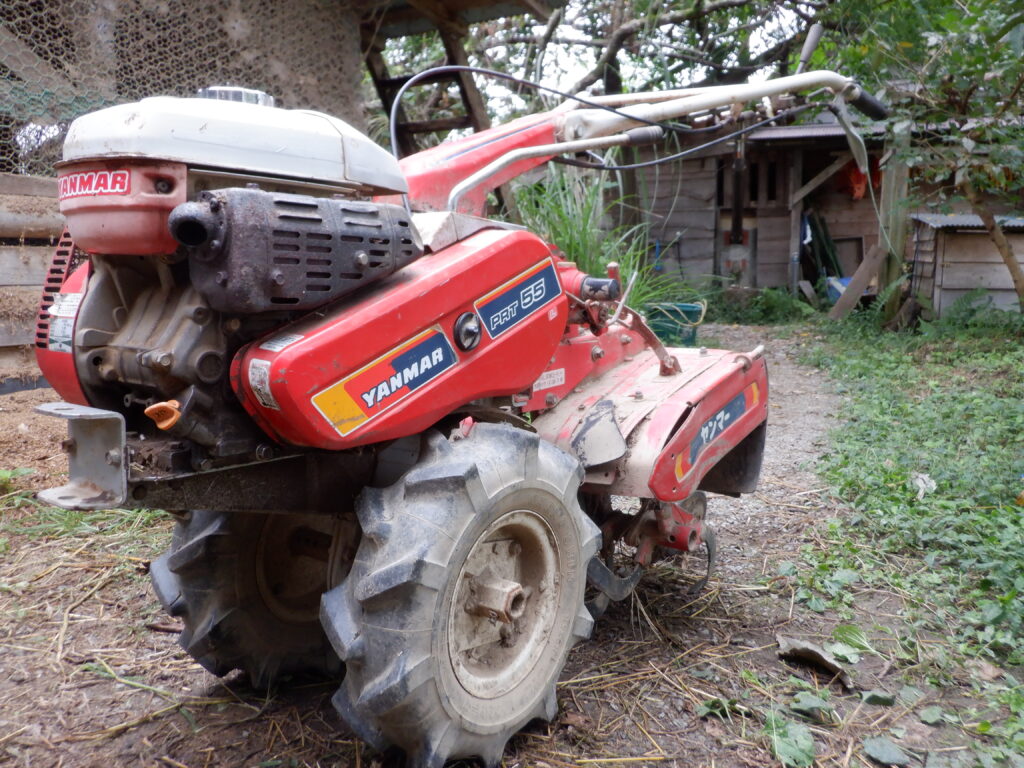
[{"x": 63, "y": 58}]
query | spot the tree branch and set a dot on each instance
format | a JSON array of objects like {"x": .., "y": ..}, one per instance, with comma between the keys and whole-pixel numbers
[{"x": 619, "y": 37}]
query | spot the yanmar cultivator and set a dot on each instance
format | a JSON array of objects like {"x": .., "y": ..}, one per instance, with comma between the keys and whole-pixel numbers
[{"x": 390, "y": 432}]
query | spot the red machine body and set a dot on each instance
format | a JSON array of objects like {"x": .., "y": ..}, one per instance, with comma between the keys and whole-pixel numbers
[
  {"x": 386, "y": 362},
  {"x": 336, "y": 379},
  {"x": 260, "y": 332},
  {"x": 433, "y": 172}
]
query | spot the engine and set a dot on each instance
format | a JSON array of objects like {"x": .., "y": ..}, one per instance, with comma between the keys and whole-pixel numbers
[{"x": 208, "y": 224}]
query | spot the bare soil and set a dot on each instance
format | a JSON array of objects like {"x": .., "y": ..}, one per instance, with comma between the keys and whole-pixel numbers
[{"x": 91, "y": 675}]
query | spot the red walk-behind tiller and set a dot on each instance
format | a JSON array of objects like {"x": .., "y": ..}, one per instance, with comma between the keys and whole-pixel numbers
[{"x": 389, "y": 430}]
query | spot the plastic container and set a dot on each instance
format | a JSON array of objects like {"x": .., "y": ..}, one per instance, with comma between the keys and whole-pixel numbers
[{"x": 676, "y": 323}]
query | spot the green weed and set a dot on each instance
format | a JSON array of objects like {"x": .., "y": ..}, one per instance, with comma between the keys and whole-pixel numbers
[
  {"x": 573, "y": 215},
  {"x": 8, "y": 477},
  {"x": 931, "y": 456},
  {"x": 126, "y": 530}
]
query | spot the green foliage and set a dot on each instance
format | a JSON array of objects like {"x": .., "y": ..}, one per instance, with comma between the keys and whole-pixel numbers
[
  {"x": 46, "y": 522},
  {"x": 768, "y": 306},
  {"x": 571, "y": 213},
  {"x": 791, "y": 743},
  {"x": 953, "y": 73},
  {"x": 8, "y": 476},
  {"x": 931, "y": 457}
]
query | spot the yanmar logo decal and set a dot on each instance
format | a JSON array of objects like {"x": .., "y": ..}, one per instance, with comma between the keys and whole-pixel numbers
[
  {"x": 711, "y": 429},
  {"x": 94, "y": 183},
  {"x": 507, "y": 306},
  {"x": 350, "y": 403}
]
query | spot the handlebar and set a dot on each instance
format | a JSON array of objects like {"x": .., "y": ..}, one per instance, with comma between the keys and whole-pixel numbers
[{"x": 869, "y": 105}]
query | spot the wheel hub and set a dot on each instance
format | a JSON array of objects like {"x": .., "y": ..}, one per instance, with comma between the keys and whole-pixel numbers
[
  {"x": 299, "y": 558},
  {"x": 505, "y": 604}
]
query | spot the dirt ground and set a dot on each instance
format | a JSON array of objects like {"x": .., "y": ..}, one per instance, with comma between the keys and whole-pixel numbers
[{"x": 91, "y": 674}]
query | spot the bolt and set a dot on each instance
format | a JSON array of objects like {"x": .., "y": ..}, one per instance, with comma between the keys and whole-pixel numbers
[
  {"x": 277, "y": 277},
  {"x": 264, "y": 452},
  {"x": 581, "y": 407},
  {"x": 221, "y": 278},
  {"x": 232, "y": 325},
  {"x": 550, "y": 399},
  {"x": 703, "y": 350},
  {"x": 624, "y": 339},
  {"x": 113, "y": 458},
  {"x": 596, "y": 353},
  {"x": 201, "y": 315},
  {"x": 638, "y": 395},
  {"x": 361, "y": 258},
  {"x": 163, "y": 360},
  {"x": 163, "y": 186}
]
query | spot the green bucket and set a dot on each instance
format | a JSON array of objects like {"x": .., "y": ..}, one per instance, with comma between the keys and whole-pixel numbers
[{"x": 676, "y": 323}]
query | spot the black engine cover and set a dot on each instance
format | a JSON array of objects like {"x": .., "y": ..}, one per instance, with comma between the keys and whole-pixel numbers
[{"x": 252, "y": 251}]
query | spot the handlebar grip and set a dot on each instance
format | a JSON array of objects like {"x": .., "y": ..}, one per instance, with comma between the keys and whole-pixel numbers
[{"x": 869, "y": 105}]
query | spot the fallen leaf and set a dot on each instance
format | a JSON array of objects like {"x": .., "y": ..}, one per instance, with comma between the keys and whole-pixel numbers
[
  {"x": 575, "y": 720},
  {"x": 843, "y": 652},
  {"x": 812, "y": 706},
  {"x": 792, "y": 743},
  {"x": 983, "y": 669},
  {"x": 931, "y": 715},
  {"x": 878, "y": 698},
  {"x": 811, "y": 653},
  {"x": 884, "y": 751},
  {"x": 910, "y": 695}
]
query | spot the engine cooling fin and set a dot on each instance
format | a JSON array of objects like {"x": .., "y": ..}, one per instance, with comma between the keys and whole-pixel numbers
[{"x": 253, "y": 251}]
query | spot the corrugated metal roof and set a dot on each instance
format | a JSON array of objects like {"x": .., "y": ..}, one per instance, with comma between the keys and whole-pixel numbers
[
  {"x": 965, "y": 221},
  {"x": 812, "y": 131}
]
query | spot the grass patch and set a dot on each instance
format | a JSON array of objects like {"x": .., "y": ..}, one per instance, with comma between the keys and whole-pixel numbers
[
  {"x": 930, "y": 456},
  {"x": 127, "y": 530}
]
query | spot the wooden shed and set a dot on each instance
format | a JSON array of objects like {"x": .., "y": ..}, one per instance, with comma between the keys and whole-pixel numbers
[
  {"x": 951, "y": 255},
  {"x": 791, "y": 177}
]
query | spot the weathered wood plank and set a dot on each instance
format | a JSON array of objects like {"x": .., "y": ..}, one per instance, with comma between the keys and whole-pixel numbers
[
  {"x": 867, "y": 270},
  {"x": 18, "y": 308},
  {"x": 819, "y": 179},
  {"x": 33, "y": 186},
  {"x": 24, "y": 264},
  {"x": 25, "y": 216},
  {"x": 808, "y": 291},
  {"x": 968, "y": 276},
  {"x": 1000, "y": 299},
  {"x": 772, "y": 275},
  {"x": 18, "y": 364},
  {"x": 977, "y": 248}
]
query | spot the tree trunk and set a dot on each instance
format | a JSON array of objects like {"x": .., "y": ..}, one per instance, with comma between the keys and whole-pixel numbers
[{"x": 995, "y": 232}]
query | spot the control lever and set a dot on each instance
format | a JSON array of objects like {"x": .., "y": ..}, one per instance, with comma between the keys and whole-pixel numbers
[{"x": 810, "y": 44}]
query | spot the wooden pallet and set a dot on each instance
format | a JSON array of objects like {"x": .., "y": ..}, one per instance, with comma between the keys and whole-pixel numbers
[{"x": 30, "y": 224}]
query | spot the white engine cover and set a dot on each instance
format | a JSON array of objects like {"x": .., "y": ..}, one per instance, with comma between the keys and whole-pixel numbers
[{"x": 237, "y": 137}]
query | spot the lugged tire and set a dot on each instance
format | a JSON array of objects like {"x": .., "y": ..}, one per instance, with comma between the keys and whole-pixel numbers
[
  {"x": 237, "y": 585},
  {"x": 500, "y": 502}
]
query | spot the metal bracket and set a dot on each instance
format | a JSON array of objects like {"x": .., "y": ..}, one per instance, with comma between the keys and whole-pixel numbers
[
  {"x": 616, "y": 587},
  {"x": 97, "y": 471},
  {"x": 711, "y": 542}
]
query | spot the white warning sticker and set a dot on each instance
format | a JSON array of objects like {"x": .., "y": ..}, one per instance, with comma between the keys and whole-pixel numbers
[
  {"x": 549, "y": 379},
  {"x": 65, "y": 304},
  {"x": 61, "y": 330},
  {"x": 259, "y": 382},
  {"x": 277, "y": 343}
]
